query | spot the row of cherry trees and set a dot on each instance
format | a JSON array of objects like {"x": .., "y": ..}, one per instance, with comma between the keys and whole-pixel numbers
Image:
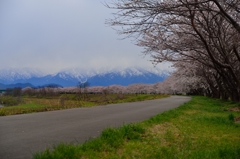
[
  {"x": 157, "y": 88},
  {"x": 200, "y": 37}
]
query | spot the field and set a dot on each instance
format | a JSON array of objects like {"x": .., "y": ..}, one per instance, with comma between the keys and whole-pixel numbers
[
  {"x": 30, "y": 104},
  {"x": 202, "y": 128}
]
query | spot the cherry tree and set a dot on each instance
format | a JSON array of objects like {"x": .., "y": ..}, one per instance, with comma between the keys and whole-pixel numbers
[
  {"x": 117, "y": 89},
  {"x": 202, "y": 33}
]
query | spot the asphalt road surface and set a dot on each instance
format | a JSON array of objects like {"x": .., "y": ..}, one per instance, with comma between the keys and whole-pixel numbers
[{"x": 23, "y": 135}]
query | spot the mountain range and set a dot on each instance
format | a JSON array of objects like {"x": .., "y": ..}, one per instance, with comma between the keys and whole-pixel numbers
[{"x": 10, "y": 78}]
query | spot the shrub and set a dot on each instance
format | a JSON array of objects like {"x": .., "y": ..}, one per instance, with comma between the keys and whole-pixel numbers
[
  {"x": 10, "y": 101},
  {"x": 231, "y": 117}
]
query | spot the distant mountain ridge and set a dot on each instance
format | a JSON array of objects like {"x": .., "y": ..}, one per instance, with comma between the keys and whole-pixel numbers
[
  {"x": 19, "y": 85},
  {"x": 71, "y": 77},
  {"x": 9, "y": 76}
]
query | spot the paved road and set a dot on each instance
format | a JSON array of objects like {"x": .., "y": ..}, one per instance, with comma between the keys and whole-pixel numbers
[{"x": 23, "y": 135}]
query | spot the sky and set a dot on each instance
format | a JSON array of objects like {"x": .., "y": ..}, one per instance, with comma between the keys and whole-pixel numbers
[{"x": 53, "y": 35}]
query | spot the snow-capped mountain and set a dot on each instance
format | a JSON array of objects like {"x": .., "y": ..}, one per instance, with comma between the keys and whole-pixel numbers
[
  {"x": 71, "y": 77},
  {"x": 9, "y": 76}
]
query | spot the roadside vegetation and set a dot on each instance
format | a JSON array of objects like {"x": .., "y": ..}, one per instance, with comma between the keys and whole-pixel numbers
[
  {"x": 202, "y": 128},
  {"x": 47, "y": 100}
]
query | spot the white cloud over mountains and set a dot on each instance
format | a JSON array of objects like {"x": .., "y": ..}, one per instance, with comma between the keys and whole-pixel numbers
[{"x": 52, "y": 35}]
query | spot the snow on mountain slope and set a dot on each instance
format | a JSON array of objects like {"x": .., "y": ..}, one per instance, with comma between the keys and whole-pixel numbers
[
  {"x": 78, "y": 73},
  {"x": 9, "y": 76},
  {"x": 137, "y": 71},
  {"x": 71, "y": 77},
  {"x": 126, "y": 77}
]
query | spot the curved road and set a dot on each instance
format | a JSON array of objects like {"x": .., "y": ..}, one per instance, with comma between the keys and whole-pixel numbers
[{"x": 23, "y": 135}]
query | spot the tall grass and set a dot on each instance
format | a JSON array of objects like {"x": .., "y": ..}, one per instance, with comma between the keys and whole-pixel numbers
[
  {"x": 201, "y": 128},
  {"x": 109, "y": 141},
  {"x": 66, "y": 101}
]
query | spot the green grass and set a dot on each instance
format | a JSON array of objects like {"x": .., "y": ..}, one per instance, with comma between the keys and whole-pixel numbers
[
  {"x": 67, "y": 101},
  {"x": 201, "y": 128}
]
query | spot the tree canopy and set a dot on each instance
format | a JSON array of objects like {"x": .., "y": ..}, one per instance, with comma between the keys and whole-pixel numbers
[{"x": 200, "y": 37}]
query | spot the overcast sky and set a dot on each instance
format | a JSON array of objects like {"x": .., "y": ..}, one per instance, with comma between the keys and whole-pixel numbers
[{"x": 53, "y": 35}]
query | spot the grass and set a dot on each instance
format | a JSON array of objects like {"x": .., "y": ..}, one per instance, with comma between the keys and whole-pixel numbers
[
  {"x": 201, "y": 128},
  {"x": 67, "y": 101}
]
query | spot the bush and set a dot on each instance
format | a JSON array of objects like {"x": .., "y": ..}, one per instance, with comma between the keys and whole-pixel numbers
[
  {"x": 231, "y": 117},
  {"x": 10, "y": 101}
]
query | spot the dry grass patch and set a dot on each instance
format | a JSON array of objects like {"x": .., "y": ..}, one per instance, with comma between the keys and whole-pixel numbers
[
  {"x": 235, "y": 109},
  {"x": 191, "y": 112},
  {"x": 30, "y": 104},
  {"x": 166, "y": 132},
  {"x": 161, "y": 129}
]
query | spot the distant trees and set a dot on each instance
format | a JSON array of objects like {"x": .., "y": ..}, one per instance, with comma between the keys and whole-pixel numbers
[
  {"x": 12, "y": 96},
  {"x": 200, "y": 37},
  {"x": 16, "y": 92},
  {"x": 83, "y": 89}
]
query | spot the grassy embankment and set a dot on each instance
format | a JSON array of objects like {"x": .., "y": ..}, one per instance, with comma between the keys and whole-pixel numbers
[
  {"x": 201, "y": 128},
  {"x": 30, "y": 104}
]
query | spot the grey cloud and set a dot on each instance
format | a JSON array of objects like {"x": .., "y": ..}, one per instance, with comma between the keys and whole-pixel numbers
[{"x": 58, "y": 34}]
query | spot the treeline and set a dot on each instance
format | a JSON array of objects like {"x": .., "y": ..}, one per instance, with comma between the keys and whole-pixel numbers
[
  {"x": 84, "y": 88},
  {"x": 113, "y": 89},
  {"x": 81, "y": 92}
]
